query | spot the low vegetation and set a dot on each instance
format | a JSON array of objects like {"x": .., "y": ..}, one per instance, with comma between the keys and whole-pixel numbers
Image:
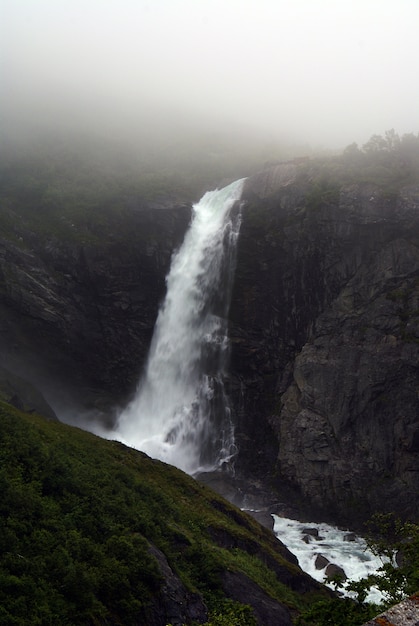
[
  {"x": 388, "y": 162},
  {"x": 78, "y": 515}
]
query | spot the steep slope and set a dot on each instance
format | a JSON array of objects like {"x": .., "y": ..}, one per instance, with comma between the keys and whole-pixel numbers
[{"x": 92, "y": 532}]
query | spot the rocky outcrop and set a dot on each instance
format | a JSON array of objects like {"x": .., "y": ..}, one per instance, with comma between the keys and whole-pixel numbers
[{"x": 325, "y": 344}]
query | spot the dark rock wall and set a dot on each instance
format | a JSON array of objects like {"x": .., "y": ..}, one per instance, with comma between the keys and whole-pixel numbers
[
  {"x": 81, "y": 313},
  {"x": 325, "y": 346}
]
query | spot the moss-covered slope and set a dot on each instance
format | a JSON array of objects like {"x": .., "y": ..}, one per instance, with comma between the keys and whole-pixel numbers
[{"x": 93, "y": 532}]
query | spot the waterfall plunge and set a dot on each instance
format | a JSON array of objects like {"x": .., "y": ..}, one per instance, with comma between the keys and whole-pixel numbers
[{"x": 180, "y": 413}]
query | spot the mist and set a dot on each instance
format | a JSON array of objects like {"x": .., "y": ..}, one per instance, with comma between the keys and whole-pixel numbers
[{"x": 318, "y": 75}]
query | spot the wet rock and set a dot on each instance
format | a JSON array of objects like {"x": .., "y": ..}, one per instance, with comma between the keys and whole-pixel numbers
[
  {"x": 264, "y": 518},
  {"x": 321, "y": 561},
  {"x": 335, "y": 571},
  {"x": 312, "y": 532}
]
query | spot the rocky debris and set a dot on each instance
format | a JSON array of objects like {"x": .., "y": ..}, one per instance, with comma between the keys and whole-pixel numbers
[{"x": 311, "y": 532}]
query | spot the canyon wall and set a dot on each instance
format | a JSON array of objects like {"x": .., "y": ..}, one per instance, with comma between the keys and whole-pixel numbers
[
  {"x": 324, "y": 328},
  {"x": 325, "y": 342}
]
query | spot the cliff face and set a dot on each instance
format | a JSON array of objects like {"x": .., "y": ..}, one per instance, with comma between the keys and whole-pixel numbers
[
  {"x": 324, "y": 326},
  {"x": 325, "y": 333},
  {"x": 78, "y": 313}
]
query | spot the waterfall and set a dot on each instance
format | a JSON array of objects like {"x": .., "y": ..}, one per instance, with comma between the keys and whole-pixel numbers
[{"x": 180, "y": 413}]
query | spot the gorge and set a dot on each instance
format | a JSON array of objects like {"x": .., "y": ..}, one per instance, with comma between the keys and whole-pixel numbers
[{"x": 324, "y": 325}]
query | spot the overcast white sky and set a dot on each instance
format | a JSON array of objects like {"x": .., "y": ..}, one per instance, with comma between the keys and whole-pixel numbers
[{"x": 328, "y": 72}]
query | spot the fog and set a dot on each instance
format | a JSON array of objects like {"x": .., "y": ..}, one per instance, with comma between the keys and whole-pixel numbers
[{"x": 322, "y": 73}]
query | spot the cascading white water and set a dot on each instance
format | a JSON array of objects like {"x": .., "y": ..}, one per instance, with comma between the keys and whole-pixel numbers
[
  {"x": 180, "y": 413},
  {"x": 337, "y": 546}
]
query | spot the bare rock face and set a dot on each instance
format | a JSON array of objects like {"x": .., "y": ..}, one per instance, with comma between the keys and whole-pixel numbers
[
  {"x": 351, "y": 412},
  {"x": 325, "y": 335},
  {"x": 77, "y": 313}
]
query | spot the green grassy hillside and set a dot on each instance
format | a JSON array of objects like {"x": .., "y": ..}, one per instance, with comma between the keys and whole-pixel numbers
[{"x": 78, "y": 517}]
